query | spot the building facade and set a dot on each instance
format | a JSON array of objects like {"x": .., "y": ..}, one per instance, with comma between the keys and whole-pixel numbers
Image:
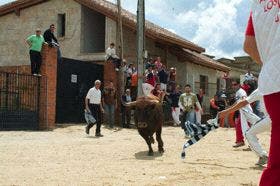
[{"x": 85, "y": 28}]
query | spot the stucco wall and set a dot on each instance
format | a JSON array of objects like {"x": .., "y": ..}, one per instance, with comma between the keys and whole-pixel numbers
[
  {"x": 193, "y": 77},
  {"x": 15, "y": 29}
]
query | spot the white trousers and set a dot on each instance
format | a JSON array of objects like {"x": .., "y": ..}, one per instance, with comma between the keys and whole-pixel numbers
[
  {"x": 175, "y": 115},
  {"x": 198, "y": 116},
  {"x": 247, "y": 115},
  {"x": 259, "y": 127}
]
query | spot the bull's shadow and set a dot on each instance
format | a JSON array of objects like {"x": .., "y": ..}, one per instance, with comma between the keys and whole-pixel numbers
[{"x": 143, "y": 155}]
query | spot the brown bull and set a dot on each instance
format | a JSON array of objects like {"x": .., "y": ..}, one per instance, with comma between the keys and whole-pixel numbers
[{"x": 149, "y": 120}]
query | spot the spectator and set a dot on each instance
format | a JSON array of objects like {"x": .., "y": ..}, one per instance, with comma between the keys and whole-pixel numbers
[
  {"x": 134, "y": 85},
  {"x": 128, "y": 73},
  {"x": 249, "y": 76},
  {"x": 126, "y": 111},
  {"x": 110, "y": 103},
  {"x": 163, "y": 78},
  {"x": 172, "y": 79},
  {"x": 187, "y": 103},
  {"x": 214, "y": 108},
  {"x": 198, "y": 113},
  {"x": 52, "y": 40},
  {"x": 158, "y": 63},
  {"x": 93, "y": 105},
  {"x": 246, "y": 86},
  {"x": 158, "y": 92},
  {"x": 149, "y": 63},
  {"x": 174, "y": 97},
  {"x": 111, "y": 56},
  {"x": 35, "y": 43},
  {"x": 150, "y": 77}
]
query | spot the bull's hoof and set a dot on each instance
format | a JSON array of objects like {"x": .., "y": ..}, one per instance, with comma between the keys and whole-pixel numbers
[
  {"x": 161, "y": 150},
  {"x": 150, "y": 153}
]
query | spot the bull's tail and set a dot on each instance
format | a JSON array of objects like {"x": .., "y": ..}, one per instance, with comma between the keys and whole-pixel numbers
[{"x": 205, "y": 129}]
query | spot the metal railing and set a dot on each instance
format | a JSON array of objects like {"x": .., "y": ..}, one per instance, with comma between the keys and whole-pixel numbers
[{"x": 19, "y": 101}]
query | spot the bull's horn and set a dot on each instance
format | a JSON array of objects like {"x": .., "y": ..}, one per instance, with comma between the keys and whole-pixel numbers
[{"x": 130, "y": 104}]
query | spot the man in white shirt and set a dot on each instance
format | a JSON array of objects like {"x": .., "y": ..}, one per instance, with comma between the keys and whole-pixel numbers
[
  {"x": 112, "y": 56},
  {"x": 239, "y": 95},
  {"x": 259, "y": 125},
  {"x": 93, "y": 105}
]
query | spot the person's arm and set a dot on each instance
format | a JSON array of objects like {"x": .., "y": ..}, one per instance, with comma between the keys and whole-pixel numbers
[
  {"x": 233, "y": 108},
  {"x": 86, "y": 104},
  {"x": 47, "y": 36},
  {"x": 101, "y": 108},
  {"x": 250, "y": 47},
  {"x": 180, "y": 103},
  {"x": 197, "y": 104},
  {"x": 28, "y": 41},
  {"x": 116, "y": 100},
  {"x": 250, "y": 44}
]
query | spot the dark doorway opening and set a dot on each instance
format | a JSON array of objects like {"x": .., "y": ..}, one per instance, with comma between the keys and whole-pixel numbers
[{"x": 74, "y": 79}]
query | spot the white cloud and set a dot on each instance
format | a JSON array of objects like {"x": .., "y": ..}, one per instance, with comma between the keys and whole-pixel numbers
[
  {"x": 2, "y": 2},
  {"x": 215, "y": 25},
  {"x": 171, "y": 30}
]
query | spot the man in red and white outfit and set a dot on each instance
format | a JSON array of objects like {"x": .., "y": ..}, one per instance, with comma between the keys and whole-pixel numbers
[{"x": 262, "y": 44}]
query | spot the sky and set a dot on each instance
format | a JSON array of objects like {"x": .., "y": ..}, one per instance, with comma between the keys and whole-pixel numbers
[{"x": 216, "y": 25}]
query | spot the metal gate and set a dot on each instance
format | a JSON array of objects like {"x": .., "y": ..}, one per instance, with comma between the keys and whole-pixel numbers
[
  {"x": 74, "y": 79},
  {"x": 19, "y": 101}
]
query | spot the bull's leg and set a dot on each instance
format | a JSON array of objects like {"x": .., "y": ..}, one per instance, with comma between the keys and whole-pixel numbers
[
  {"x": 148, "y": 141},
  {"x": 159, "y": 140}
]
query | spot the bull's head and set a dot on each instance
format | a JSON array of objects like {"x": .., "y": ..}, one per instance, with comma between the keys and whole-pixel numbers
[{"x": 146, "y": 109}]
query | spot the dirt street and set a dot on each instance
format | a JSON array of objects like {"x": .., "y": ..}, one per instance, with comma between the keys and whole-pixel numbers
[{"x": 65, "y": 156}]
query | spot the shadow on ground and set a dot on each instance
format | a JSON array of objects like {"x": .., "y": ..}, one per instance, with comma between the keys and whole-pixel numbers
[{"x": 143, "y": 155}]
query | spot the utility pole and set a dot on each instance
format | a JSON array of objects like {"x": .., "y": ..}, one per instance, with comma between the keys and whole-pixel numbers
[
  {"x": 119, "y": 44},
  {"x": 140, "y": 44}
]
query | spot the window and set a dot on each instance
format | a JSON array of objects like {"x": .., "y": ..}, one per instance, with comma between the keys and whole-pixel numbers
[
  {"x": 61, "y": 25},
  {"x": 92, "y": 31},
  {"x": 203, "y": 80}
]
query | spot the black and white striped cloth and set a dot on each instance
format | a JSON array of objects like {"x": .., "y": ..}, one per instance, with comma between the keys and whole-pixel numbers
[{"x": 197, "y": 132}]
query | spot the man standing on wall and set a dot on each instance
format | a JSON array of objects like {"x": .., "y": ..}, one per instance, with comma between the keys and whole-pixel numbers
[
  {"x": 35, "y": 43},
  {"x": 93, "y": 105}
]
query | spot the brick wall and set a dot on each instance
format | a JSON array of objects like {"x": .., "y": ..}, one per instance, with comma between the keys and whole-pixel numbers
[
  {"x": 48, "y": 88},
  {"x": 48, "y": 81}
]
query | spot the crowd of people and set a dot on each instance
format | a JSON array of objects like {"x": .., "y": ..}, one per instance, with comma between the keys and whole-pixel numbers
[{"x": 261, "y": 43}]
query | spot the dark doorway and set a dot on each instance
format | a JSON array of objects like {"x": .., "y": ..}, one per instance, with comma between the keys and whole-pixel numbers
[{"x": 74, "y": 79}]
